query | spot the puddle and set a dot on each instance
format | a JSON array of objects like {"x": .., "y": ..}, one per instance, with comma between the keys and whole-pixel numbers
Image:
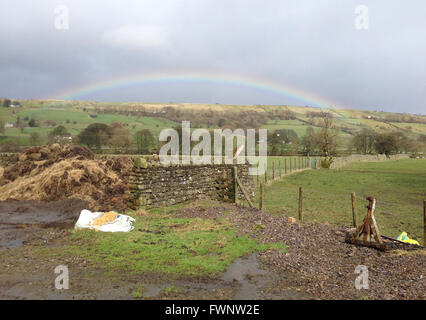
[
  {"x": 21, "y": 219},
  {"x": 249, "y": 276},
  {"x": 152, "y": 290},
  {"x": 255, "y": 283},
  {"x": 243, "y": 280}
]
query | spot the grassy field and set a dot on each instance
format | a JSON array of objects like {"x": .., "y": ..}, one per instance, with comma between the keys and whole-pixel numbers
[
  {"x": 75, "y": 121},
  {"x": 399, "y": 187},
  {"x": 163, "y": 244},
  {"x": 75, "y": 116}
]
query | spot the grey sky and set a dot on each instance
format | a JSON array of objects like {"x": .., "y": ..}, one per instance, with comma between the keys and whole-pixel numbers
[{"x": 310, "y": 45}]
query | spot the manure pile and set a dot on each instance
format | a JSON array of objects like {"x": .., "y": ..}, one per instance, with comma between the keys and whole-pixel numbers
[{"x": 52, "y": 172}]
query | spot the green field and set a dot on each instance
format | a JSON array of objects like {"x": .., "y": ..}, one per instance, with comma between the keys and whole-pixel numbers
[
  {"x": 76, "y": 115},
  {"x": 399, "y": 187},
  {"x": 75, "y": 120}
]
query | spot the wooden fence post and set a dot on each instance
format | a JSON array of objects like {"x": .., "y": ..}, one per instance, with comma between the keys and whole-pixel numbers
[
  {"x": 354, "y": 213},
  {"x": 273, "y": 170},
  {"x": 257, "y": 176},
  {"x": 290, "y": 164},
  {"x": 235, "y": 185},
  {"x": 424, "y": 223},
  {"x": 266, "y": 176},
  {"x": 300, "y": 204},
  {"x": 285, "y": 166},
  {"x": 279, "y": 166},
  {"x": 261, "y": 196}
]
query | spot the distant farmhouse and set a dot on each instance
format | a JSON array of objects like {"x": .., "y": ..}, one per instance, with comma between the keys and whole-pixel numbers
[{"x": 66, "y": 138}]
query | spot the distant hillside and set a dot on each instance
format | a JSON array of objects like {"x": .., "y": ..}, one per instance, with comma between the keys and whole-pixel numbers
[{"x": 77, "y": 115}]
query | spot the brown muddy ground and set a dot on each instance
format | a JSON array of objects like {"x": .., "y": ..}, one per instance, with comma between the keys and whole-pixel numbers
[
  {"x": 20, "y": 220},
  {"x": 318, "y": 264}
]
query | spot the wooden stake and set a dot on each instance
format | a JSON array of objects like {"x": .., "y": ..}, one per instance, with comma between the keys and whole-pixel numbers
[
  {"x": 285, "y": 166},
  {"x": 279, "y": 163},
  {"x": 257, "y": 176},
  {"x": 235, "y": 185},
  {"x": 354, "y": 213},
  {"x": 273, "y": 170},
  {"x": 424, "y": 223},
  {"x": 300, "y": 204},
  {"x": 261, "y": 196},
  {"x": 290, "y": 164}
]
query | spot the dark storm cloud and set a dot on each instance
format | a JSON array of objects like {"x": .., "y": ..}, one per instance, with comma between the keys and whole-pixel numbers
[{"x": 310, "y": 45}]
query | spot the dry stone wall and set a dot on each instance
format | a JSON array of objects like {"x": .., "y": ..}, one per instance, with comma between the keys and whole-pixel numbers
[
  {"x": 159, "y": 186},
  {"x": 344, "y": 161}
]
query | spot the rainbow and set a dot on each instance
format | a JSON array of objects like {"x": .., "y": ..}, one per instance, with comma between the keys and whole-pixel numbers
[{"x": 143, "y": 79}]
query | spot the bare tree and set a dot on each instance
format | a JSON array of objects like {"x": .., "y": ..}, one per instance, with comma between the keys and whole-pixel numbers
[{"x": 328, "y": 137}]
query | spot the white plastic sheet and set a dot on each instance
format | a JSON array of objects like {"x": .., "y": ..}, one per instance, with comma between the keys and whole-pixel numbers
[{"x": 118, "y": 222}]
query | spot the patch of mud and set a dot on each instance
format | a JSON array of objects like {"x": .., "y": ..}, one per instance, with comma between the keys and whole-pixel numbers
[
  {"x": 19, "y": 220},
  {"x": 243, "y": 280},
  {"x": 41, "y": 286},
  {"x": 252, "y": 281}
]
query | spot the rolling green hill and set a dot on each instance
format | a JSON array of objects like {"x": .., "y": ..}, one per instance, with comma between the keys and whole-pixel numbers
[{"x": 76, "y": 115}]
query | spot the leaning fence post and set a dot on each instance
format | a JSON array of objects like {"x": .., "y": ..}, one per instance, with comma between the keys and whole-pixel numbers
[
  {"x": 235, "y": 185},
  {"x": 354, "y": 213},
  {"x": 300, "y": 204},
  {"x": 261, "y": 196}
]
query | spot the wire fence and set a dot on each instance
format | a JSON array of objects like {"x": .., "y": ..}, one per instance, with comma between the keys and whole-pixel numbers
[{"x": 394, "y": 212}]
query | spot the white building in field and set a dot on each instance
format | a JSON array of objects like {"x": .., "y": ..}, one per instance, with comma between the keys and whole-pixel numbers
[
  {"x": 9, "y": 125},
  {"x": 63, "y": 139}
]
